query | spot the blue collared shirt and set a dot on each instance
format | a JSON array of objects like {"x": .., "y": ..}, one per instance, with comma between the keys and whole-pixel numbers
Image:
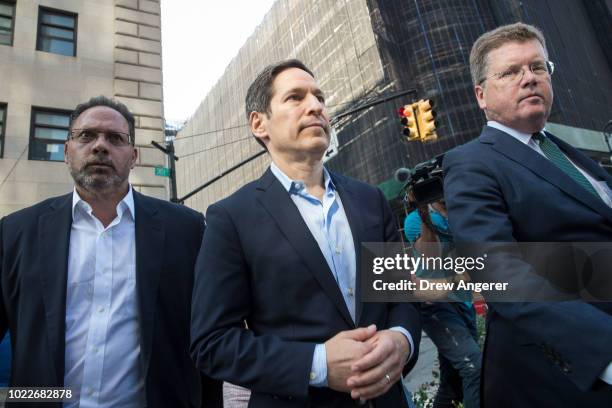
[{"x": 328, "y": 224}]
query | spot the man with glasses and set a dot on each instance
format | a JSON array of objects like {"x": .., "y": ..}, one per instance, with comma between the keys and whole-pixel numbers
[
  {"x": 519, "y": 183},
  {"x": 96, "y": 285}
]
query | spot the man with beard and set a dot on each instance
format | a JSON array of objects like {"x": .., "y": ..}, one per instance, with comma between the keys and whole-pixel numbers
[{"x": 95, "y": 285}]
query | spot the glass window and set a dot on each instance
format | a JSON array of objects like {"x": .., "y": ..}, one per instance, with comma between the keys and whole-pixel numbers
[
  {"x": 7, "y": 18},
  {"x": 56, "y": 32},
  {"x": 48, "y": 134},
  {"x": 2, "y": 127}
]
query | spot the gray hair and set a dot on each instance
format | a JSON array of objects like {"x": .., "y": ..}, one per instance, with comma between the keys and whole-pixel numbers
[
  {"x": 260, "y": 92},
  {"x": 491, "y": 40},
  {"x": 111, "y": 103}
]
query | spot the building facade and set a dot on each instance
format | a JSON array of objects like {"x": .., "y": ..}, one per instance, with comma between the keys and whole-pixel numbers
[
  {"x": 55, "y": 54},
  {"x": 365, "y": 50}
]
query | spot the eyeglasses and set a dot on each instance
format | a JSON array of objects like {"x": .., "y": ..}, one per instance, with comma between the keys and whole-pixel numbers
[
  {"x": 86, "y": 136},
  {"x": 515, "y": 73}
]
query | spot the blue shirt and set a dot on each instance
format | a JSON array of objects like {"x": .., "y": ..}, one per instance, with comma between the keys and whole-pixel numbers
[
  {"x": 412, "y": 231},
  {"x": 326, "y": 220}
]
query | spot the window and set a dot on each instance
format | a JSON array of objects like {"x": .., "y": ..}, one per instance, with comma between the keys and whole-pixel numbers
[
  {"x": 2, "y": 127},
  {"x": 56, "y": 31},
  {"x": 7, "y": 16},
  {"x": 49, "y": 131}
]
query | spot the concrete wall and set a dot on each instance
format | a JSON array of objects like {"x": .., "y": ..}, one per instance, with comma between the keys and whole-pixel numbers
[{"x": 118, "y": 54}]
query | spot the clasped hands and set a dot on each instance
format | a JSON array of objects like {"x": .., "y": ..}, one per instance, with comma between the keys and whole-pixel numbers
[{"x": 365, "y": 362}]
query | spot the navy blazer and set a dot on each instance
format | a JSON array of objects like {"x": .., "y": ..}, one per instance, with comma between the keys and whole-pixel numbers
[
  {"x": 497, "y": 189},
  {"x": 34, "y": 245},
  {"x": 259, "y": 263}
]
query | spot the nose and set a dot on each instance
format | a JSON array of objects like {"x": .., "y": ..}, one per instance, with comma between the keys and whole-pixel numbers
[
  {"x": 315, "y": 106},
  {"x": 100, "y": 144},
  {"x": 528, "y": 77}
]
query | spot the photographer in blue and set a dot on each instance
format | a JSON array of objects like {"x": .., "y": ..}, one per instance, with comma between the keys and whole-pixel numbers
[{"x": 450, "y": 325}]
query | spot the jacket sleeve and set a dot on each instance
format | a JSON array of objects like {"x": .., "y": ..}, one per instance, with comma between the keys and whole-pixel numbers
[
  {"x": 577, "y": 332},
  {"x": 221, "y": 346}
]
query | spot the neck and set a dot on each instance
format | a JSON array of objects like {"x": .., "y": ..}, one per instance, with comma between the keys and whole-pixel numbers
[
  {"x": 103, "y": 203},
  {"x": 308, "y": 170}
]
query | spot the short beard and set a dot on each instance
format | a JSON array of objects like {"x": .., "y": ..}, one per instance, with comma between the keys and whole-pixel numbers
[{"x": 96, "y": 183}]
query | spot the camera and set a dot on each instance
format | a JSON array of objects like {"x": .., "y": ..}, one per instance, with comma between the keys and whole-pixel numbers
[{"x": 425, "y": 180}]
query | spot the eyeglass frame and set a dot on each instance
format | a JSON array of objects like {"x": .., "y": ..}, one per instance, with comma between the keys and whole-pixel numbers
[
  {"x": 550, "y": 69},
  {"x": 74, "y": 137}
]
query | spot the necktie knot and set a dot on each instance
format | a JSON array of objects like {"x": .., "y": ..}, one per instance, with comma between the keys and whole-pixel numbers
[{"x": 538, "y": 137}]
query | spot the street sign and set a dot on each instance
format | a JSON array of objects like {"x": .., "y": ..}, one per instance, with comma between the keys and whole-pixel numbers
[{"x": 162, "y": 171}]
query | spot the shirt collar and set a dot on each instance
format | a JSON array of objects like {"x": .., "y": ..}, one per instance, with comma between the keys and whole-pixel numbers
[
  {"x": 297, "y": 186},
  {"x": 520, "y": 136},
  {"x": 126, "y": 203}
]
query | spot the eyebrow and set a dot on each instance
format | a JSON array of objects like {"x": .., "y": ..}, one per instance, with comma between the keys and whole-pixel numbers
[{"x": 317, "y": 91}]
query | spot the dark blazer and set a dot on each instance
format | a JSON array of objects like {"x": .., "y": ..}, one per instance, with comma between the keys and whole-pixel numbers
[
  {"x": 537, "y": 354},
  {"x": 260, "y": 263},
  {"x": 34, "y": 245}
]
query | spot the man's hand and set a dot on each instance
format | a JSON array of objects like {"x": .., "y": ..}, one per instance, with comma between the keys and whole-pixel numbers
[
  {"x": 343, "y": 350},
  {"x": 377, "y": 371}
]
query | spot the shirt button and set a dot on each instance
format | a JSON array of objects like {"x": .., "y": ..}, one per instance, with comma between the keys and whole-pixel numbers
[
  {"x": 89, "y": 391},
  {"x": 95, "y": 349},
  {"x": 350, "y": 291},
  {"x": 338, "y": 251},
  {"x": 313, "y": 376},
  {"x": 101, "y": 310}
]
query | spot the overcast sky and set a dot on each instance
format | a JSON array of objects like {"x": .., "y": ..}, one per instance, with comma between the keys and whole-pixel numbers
[{"x": 199, "y": 39}]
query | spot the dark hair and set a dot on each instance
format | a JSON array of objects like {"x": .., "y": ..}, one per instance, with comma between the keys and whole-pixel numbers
[
  {"x": 111, "y": 103},
  {"x": 260, "y": 92}
]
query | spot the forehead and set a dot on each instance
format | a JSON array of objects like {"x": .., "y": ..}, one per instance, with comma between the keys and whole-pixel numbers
[
  {"x": 102, "y": 117},
  {"x": 516, "y": 52},
  {"x": 293, "y": 78}
]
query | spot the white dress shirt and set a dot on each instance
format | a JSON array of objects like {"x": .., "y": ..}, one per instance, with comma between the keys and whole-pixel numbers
[
  {"x": 601, "y": 187},
  {"x": 102, "y": 358}
]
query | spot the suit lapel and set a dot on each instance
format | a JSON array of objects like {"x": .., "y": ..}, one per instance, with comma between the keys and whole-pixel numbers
[
  {"x": 349, "y": 202},
  {"x": 149, "y": 257},
  {"x": 53, "y": 251},
  {"x": 282, "y": 209},
  {"x": 527, "y": 157}
]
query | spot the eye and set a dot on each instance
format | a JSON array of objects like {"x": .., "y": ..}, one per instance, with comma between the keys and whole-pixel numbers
[
  {"x": 509, "y": 73},
  {"x": 293, "y": 97},
  {"x": 321, "y": 98},
  {"x": 115, "y": 138},
  {"x": 87, "y": 136},
  {"x": 538, "y": 68}
]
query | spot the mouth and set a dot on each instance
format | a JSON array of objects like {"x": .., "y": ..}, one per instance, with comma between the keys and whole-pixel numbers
[
  {"x": 532, "y": 97},
  {"x": 100, "y": 165},
  {"x": 318, "y": 125}
]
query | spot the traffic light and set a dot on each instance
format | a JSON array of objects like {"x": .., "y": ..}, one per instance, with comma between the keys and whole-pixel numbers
[
  {"x": 426, "y": 120},
  {"x": 408, "y": 119}
]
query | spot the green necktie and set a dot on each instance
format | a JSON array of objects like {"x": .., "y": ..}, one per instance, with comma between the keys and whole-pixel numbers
[{"x": 556, "y": 156}]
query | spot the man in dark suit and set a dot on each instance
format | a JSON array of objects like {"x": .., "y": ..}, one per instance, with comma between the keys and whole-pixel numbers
[
  {"x": 281, "y": 253},
  {"x": 518, "y": 183},
  {"x": 96, "y": 284}
]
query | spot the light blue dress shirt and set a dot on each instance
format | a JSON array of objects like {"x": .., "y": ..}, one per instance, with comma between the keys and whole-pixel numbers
[{"x": 329, "y": 226}]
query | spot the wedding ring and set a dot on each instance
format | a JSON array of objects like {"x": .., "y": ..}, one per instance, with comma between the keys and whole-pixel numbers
[{"x": 388, "y": 378}]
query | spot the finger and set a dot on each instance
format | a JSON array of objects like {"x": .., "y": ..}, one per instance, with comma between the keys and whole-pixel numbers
[
  {"x": 381, "y": 351},
  {"x": 360, "y": 334},
  {"x": 374, "y": 390},
  {"x": 390, "y": 367}
]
